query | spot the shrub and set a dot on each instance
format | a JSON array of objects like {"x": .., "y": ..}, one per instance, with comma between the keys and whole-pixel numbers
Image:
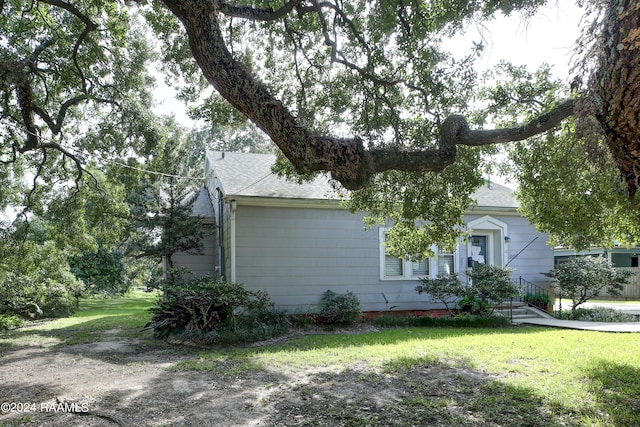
[
  {"x": 459, "y": 321},
  {"x": 30, "y": 298},
  {"x": 213, "y": 311},
  {"x": 491, "y": 285},
  {"x": 339, "y": 308},
  {"x": 258, "y": 324},
  {"x": 35, "y": 281},
  {"x": 538, "y": 300},
  {"x": 582, "y": 278},
  {"x": 471, "y": 304},
  {"x": 596, "y": 314},
  {"x": 10, "y": 321},
  {"x": 445, "y": 289}
]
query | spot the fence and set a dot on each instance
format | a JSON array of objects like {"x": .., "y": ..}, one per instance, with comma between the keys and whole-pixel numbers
[{"x": 631, "y": 290}]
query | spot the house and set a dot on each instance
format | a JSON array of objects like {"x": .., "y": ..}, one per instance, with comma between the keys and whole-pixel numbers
[
  {"x": 296, "y": 241},
  {"x": 625, "y": 258},
  {"x": 619, "y": 256}
]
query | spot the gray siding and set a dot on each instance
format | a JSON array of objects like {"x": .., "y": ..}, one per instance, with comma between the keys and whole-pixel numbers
[
  {"x": 297, "y": 254},
  {"x": 200, "y": 264},
  {"x": 536, "y": 259}
]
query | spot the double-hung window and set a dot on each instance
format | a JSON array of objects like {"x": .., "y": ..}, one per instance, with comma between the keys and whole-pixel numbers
[
  {"x": 446, "y": 262},
  {"x": 394, "y": 268}
]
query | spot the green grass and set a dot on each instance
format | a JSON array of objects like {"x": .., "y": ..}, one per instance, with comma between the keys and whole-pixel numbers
[
  {"x": 589, "y": 378},
  {"x": 525, "y": 376},
  {"x": 123, "y": 317}
]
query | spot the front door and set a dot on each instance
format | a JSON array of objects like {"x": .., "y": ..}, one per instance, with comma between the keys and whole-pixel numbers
[{"x": 479, "y": 254}]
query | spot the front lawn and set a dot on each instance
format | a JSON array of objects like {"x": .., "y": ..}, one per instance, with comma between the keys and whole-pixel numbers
[
  {"x": 436, "y": 376},
  {"x": 509, "y": 377}
]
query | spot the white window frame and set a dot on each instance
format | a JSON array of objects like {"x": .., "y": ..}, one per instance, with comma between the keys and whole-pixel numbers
[{"x": 407, "y": 264}]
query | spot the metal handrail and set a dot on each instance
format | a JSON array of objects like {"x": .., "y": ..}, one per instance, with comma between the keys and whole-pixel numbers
[{"x": 528, "y": 288}]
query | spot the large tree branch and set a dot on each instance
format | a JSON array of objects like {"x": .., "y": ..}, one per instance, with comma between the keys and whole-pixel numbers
[
  {"x": 56, "y": 125},
  {"x": 346, "y": 158},
  {"x": 256, "y": 14},
  {"x": 538, "y": 125},
  {"x": 73, "y": 10},
  {"x": 455, "y": 131},
  {"x": 17, "y": 74}
]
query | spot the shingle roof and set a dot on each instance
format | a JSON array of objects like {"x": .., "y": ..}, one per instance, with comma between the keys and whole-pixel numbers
[
  {"x": 494, "y": 195},
  {"x": 249, "y": 174},
  {"x": 202, "y": 206}
]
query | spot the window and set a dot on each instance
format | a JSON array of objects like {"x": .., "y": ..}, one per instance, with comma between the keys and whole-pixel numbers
[
  {"x": 420, "y": 268},
  {"x": 446, "y": 262},
  {"x": 393, "y": 268}
]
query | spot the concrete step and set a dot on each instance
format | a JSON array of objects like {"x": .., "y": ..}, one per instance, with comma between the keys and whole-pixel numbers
[{"x": 520, "y": 311}]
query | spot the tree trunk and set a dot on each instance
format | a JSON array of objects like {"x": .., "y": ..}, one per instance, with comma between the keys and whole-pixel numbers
[{"x": 617, "y": 88}]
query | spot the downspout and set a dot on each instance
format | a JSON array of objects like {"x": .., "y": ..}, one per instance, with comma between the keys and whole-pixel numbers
[
  {"x": 220, "y": 219},
  {"x": 232, "y": 244}
]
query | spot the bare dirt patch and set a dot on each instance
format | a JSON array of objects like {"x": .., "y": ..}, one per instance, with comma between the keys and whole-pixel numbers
[{"x": 133, "y": 383}]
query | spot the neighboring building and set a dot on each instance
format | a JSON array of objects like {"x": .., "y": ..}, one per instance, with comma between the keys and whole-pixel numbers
[
  {"x": 296, "y": 241},
  {"x": 619, "y": 256}
]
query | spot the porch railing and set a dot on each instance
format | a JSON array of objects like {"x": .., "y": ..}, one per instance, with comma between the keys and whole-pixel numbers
[{"x": 533, "y": 295}]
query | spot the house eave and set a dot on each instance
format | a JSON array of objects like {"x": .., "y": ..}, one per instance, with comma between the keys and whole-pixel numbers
[
  {"x": 495, "y": 210},
  {"x": 276, "y": 202},
  {"x": 336, "y": 204}
]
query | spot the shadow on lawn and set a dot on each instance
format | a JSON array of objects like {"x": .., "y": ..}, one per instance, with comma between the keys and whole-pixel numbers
[
  {"x": 411, "y": 391},
  {"x": 81, "y": 331},
  {"x": 616, "y": 387},
  {"x": 126, "y": 395},
  {"x": 426, "y": 394},
  {"x": 327, "y": 339}
]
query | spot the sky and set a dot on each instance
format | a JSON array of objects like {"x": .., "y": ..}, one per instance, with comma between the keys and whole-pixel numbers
[{"x": 548, "y": 37}]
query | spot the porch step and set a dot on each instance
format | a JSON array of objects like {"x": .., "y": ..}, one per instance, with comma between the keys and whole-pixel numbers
[{"x": 520, "y": 311}]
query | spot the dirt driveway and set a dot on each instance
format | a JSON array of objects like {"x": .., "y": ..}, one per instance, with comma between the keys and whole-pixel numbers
[
  {"x": 129, "y": 383},
  {"x": 116, "y": 381}
]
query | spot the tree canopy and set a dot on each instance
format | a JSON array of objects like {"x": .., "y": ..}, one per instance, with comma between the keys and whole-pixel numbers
[{"x": 365, "y": 91}]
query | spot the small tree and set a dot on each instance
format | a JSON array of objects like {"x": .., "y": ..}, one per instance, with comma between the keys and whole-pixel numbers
[
  {"x": 446, "y": 289},
  {"x": 491, "y": 285},
  {"x": 582, "y": 278},
  {"x": 101, "y": 271}
]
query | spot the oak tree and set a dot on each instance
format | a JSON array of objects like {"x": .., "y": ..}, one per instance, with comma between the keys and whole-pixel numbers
[{"x": 365, "y": 91}]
